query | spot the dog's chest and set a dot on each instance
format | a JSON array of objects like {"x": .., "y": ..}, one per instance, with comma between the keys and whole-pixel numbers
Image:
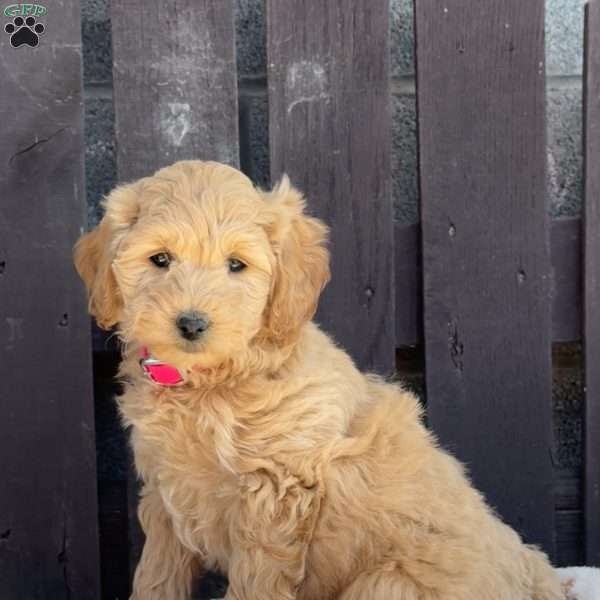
[{"x": 177, "y": 453}]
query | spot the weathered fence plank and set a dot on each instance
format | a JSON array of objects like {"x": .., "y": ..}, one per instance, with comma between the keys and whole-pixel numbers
[
  {"x": 486, "y": 258},
  {"x": 567, "y": 302},
  {"x": 48, "y": 507},
  {"x": 329, "y": 129},
  {"x": 174, "y": 83},
  {"x": 592, "y": 285},
  {"x": 175, "y": 94}
]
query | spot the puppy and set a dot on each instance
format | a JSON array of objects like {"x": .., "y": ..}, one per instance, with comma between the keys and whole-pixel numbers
[{"x": 264, "y": 452}]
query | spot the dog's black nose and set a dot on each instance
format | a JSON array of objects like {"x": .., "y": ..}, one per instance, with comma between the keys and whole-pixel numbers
[{"x": 191, "y": 325}]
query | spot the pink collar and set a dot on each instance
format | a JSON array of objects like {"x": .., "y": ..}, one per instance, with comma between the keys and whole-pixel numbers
[{"x": 159, "y": 372}]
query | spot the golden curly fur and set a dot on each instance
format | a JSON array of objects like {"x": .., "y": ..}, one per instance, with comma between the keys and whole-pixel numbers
[{"x": 277, "y": 462}]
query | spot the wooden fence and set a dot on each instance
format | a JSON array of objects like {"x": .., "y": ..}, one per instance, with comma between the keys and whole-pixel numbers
[{"x": 486, "y": 283}]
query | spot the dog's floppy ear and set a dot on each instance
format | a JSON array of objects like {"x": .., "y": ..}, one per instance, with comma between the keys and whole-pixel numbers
[
  {"x": 302, "y": 262},
  {"x": 95, "y": 252}
]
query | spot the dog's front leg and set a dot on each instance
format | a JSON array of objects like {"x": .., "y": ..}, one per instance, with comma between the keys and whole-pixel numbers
[
  {"x": 166, "y": 569},
  {"x": 257, "y": 574},
  {"x": 271, "y": 541}
]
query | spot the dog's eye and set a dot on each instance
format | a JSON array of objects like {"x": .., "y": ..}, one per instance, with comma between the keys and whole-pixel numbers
[
  {"x": 162, "y": 260},
  {"x": 235, "y": 265}
]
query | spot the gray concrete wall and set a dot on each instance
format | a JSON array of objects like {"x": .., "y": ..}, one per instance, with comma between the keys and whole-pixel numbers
[{"x": 564, "y": 68}]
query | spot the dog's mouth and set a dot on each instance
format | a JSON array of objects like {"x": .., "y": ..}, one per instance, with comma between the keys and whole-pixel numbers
[{"x": 190, "y": 347}]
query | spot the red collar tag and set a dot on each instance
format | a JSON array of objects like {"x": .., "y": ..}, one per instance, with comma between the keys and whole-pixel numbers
[{"x": 159, "y": 372}]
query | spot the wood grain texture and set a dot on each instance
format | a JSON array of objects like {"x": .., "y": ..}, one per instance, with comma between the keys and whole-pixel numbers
[
  {"x": 592, "y": 285},
  {"x": 486, "y": 256},
  {"x": 175, "y": 92},
  {"x": 174, "y": 83},
  {"x": 329, "y": 129},
  {"x": 566, "y": 251},
  {"x": 48, "y": 506}
]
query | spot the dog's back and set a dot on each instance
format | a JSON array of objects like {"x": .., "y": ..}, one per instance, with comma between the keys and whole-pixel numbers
[{"x": 399, "y": 513}]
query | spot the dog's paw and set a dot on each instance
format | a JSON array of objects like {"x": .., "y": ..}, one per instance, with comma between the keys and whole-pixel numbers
[{"x": 24, "y": 31}]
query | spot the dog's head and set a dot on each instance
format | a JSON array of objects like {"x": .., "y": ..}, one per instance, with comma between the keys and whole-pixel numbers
[{"x": 198, "y": 265}]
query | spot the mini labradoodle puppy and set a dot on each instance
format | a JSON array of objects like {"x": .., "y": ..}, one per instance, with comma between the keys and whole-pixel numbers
[{"x": 264, "y": 452}]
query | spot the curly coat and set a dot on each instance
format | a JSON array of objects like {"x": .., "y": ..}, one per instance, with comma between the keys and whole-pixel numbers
[{"x": 277, "y": 462}]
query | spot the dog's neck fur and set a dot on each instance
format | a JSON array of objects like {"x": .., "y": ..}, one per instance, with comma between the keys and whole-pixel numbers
[
  {"x": 238, "y": 409},
  {"x": 262, "y": 359}
]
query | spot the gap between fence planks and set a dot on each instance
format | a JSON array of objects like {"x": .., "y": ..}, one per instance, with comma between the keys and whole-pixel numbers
[
  {"x": 175, "y": 93},
  {"x": 486, "y": 256},
  {"x": 592, "y": 284}
]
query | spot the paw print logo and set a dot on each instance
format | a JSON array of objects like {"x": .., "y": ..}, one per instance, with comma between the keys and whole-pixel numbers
[{"x": 24, "y": 31}]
